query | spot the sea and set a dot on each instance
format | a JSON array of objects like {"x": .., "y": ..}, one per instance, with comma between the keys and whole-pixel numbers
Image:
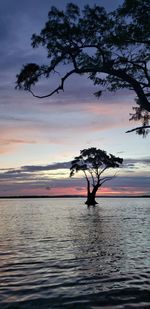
[{"x": 59, "y": 253}]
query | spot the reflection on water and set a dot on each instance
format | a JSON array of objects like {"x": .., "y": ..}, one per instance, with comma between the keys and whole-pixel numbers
[{"x": 57, "y": 253}]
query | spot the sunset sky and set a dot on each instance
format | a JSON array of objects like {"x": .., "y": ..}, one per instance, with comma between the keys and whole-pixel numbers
[{"x": 39, "y": 138}]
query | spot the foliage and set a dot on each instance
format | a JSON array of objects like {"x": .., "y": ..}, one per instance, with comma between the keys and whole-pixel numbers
[
  {"x": 93, "y": 162},
  {"x": 113, "y": 49}
]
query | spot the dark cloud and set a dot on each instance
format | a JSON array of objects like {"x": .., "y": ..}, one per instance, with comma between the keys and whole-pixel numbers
[
  {"x": 134, "y": 181},
  {"x": 136, "y": 163},
  {"x": 34, "y": 177},
  {"x": 50, "y": 167},
  {"x": 27, "y": 170},
  {"x": 127, "y": 163},
  {"x": 145, "y": 160}
]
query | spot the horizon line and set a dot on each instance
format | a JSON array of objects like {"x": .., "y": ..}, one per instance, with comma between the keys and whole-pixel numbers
[{"x": 73, "y": 196}]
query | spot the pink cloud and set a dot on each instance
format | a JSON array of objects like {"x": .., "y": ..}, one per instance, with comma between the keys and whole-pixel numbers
[
  {"x": 23, "y": 189},
  {"x": 60, "y": 127}
]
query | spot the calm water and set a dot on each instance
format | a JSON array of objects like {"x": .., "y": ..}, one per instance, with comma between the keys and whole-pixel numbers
[{"x": 57, "y": 253}]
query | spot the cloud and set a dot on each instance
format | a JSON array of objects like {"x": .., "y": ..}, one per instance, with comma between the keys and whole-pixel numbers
[
  {"x": 61, "y": 124},
  {"x": 28, "y": 171},
  {"x": 133, "y": 162},
  {"x": 119, "y": 186},
  {"x": 27, "y": 123},
  {"x": 55, "y": 178},
  {"x": 137, "y": 166},
  {"x": 50, "y": 167},
  {"x": 31, "y": 169}
]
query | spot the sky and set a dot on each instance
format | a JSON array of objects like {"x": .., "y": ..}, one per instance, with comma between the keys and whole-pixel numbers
[{"x": 39, "y": 138}]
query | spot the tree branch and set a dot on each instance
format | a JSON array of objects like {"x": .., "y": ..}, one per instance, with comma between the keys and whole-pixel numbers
[
  {"x": 120, "y": 73},
  {"x": 132, "y": 81},
  {"x": 60, "y": 87},
  {"x": 86, "y": 176},
  {"x": 105, "y": 168},
  {"x": 107, "y": 178},
  {"x": 93, "y": 180},
  {"x": 138, "y": 128}
]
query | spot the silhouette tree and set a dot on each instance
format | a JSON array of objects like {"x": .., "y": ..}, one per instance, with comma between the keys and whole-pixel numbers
[
  {"x": 113, "y": 49},
  {"x": 93, "y": 163}
]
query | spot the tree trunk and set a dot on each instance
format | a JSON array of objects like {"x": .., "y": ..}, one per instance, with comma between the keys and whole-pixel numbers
[{"x": 91, "y": 195}]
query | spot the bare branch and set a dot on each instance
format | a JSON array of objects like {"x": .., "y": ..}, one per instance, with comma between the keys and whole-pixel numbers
[
  {"x": 107, "y": 179},
  {"x": 105, "y": 168},
  {"x": 138, "y": 128},
  {"x": 60, "y": 87},
  {"x": 86, "y": 176},
  {"x": 93, "y": 180}
]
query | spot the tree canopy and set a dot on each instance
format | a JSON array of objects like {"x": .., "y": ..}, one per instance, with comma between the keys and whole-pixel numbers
[
  {"x": 112, "y": 48},
  {"x": 93, "y": 163}
]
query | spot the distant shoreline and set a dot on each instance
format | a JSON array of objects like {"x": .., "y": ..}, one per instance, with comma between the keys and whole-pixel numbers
[{"x": 71, "y": 196}]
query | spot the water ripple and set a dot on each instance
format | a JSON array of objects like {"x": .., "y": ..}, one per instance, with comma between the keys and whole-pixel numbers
[{"x": 69, "y": 256}]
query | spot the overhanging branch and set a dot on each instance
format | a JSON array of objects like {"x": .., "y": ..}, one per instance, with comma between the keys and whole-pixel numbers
[
  {"x": 138, "y": 128},
  {"x": 105, "y": 67},
  {"x": 60, "y": 87}
]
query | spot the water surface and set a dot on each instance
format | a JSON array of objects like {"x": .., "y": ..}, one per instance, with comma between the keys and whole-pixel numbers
[{"x": 57, "y": 253}]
